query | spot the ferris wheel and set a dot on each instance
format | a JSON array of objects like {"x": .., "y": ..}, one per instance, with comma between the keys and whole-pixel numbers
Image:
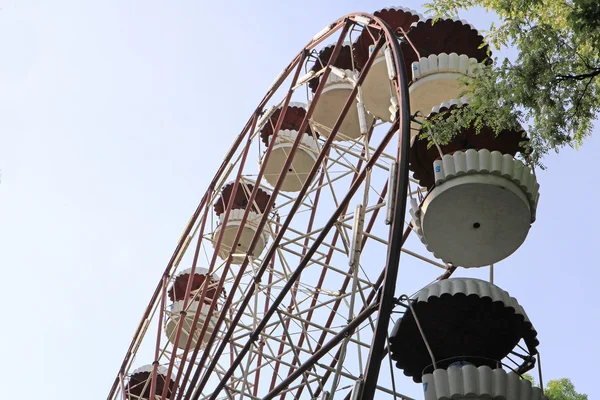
[{"x": 285, "y": 281}]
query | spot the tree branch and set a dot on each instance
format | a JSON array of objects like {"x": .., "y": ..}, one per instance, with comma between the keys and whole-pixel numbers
[
  {"x": 580, "y": 77},
  {"x": 581, "y": 97}
]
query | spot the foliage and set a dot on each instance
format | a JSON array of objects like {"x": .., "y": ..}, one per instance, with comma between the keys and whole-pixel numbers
[
  {"x": 552, "y": 87},
  {"x": 529, "y": 378},
  {"x": 559, "y": 389},
  {"x": 563, "y": 389}
]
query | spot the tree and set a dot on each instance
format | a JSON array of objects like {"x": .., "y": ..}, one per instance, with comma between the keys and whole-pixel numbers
[
  {"x": 552, "y": 88},
  {"x": 563, "y": 389},
  {"x": 559, "y": 389}
]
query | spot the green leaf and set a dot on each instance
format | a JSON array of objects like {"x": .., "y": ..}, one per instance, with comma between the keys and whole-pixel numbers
[{"x": 553, "y": 86}]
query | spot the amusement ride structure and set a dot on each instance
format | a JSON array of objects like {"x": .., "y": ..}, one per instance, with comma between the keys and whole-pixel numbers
[{"x": 283, "y": 284}]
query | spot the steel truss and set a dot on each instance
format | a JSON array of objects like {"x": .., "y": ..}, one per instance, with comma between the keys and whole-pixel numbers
[{"x": 310, "y": 314}]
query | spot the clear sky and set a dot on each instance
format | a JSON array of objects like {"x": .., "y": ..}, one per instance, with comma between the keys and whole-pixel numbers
[{"x": 114, "y": 116}]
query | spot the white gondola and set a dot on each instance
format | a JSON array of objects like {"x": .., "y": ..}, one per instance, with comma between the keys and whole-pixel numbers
[
  {"x": 377, "y": 89},
  {"x": 230, "y": 228},
  {"x": 337, "y": 89},
  {"x": 471, "y": 382},
  {"x": 239, "y": 249},
  {"x": 438, "y": 78},
  {"x": 304, "y": 159},
  {"x": 439, "y": 57},
  {"x": 480, "y": 210},
  {"x": 302, "y": 163},
  {"x": 178, "y": 310},
  {"x": 174, "y": 315}
]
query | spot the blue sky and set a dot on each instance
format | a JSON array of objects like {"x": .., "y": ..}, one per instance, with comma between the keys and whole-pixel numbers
[{"x": 113, "y": 118}]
